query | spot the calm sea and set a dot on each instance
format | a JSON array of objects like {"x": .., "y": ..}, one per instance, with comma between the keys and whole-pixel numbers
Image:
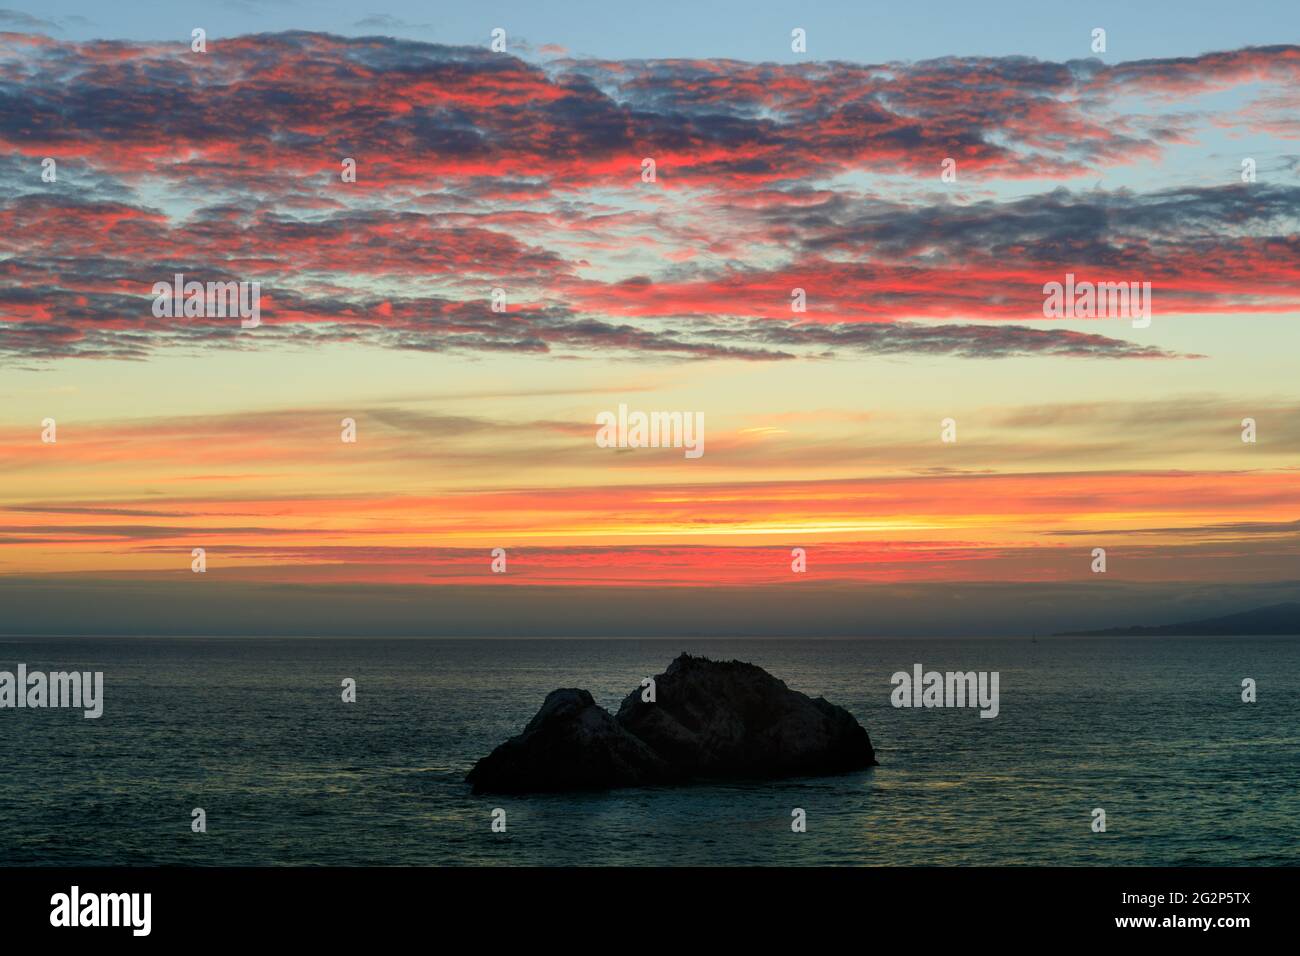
[{"x": 254, "y": 731}]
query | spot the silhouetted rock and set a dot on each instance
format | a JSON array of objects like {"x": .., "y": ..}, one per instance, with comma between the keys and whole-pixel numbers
[
  {"x": 731, "y": 719},
  {"x": 708, "y": 719},
  {"x": 572, "y": 744}
]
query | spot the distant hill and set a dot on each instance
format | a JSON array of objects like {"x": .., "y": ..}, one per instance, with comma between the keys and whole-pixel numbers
[{"x": 1274, "y": 619}]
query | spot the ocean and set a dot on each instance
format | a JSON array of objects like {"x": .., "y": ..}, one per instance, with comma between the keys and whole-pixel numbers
[{"x": 254, "y": 731}]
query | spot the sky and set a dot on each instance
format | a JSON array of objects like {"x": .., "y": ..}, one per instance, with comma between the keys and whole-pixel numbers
[
  {"x": 756, "y": 30},
  {"x": 522, "y": 171}
]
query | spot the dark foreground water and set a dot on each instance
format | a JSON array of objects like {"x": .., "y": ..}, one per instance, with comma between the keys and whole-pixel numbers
[{"x": 254, "y": 731}]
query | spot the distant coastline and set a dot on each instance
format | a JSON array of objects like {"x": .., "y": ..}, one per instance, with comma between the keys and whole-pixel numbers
[{"x": 1274, "y": 620}]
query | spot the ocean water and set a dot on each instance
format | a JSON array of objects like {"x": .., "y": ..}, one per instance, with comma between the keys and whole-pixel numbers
[{"x": 254, "y": 731}]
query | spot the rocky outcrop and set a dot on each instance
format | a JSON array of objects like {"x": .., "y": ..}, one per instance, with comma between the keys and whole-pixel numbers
[
  {"x": 708, "y": 719},
  {"x": 572, "y": 744},
  {"x": 736, "y": 720}
]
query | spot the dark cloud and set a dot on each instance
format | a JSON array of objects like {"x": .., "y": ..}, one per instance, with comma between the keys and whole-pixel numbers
[
  {"x": 478, "y": 170},
  {"x": 25, "y": 21}
]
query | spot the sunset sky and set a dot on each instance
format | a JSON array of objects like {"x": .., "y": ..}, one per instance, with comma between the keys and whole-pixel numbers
[{"x": 522, "y": 171}]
